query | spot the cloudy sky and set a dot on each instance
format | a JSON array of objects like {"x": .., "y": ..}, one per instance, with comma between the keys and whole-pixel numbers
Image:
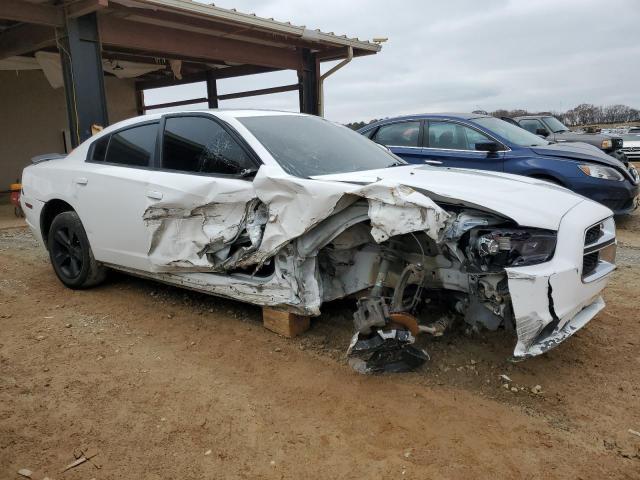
[{"x": 457, "y": 55}]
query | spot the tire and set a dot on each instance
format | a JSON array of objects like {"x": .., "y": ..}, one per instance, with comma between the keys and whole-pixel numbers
[{"x": 71, "y": 254}]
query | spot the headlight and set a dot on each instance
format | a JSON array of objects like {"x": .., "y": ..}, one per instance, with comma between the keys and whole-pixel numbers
[
  {"x": 599, "y": 171},
  {"x": 606, "y": 144},
  {"x": 510, "y": 247}
]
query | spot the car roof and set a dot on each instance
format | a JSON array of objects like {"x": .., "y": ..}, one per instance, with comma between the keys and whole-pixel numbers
[
  {"x": 426, "y": 116},
  {"x": 220, "y": 112},
  {"x": 524, "y": 117}
]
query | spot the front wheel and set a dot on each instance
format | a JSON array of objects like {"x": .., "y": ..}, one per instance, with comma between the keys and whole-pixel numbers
[{"x": 71, "y": 254}]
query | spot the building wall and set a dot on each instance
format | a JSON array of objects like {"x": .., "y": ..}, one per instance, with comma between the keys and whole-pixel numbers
[{"x": 33, "y": 116}]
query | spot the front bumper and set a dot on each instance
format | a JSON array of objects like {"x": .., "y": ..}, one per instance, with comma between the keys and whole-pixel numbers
[{"x": 553, "y": 300}]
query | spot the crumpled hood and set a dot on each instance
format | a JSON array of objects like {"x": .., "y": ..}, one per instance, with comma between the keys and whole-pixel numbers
[
  {"x": 578, "y": 151},
  {"x": 528, "y": 201}
]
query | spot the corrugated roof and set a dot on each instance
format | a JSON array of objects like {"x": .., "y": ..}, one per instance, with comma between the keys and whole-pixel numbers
[{"x": 251, "y": 20}]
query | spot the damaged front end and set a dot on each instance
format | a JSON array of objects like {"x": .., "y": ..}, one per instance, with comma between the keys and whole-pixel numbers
[{"x": 294, "y": 243}]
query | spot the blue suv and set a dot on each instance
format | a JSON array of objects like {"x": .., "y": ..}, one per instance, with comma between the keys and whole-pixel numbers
[{"x": 487, "y": 143}]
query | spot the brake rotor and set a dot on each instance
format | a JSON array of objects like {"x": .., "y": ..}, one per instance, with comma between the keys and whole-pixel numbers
[{"x": 406, "y": 320}]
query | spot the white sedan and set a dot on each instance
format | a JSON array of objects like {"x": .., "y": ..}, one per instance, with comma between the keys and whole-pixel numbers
[{"x": 290, "y": 211}]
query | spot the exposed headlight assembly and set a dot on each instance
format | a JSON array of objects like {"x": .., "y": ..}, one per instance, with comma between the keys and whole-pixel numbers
[
  {"x": 600, "y": 171},
  {"x": 510, "y": 247},
  {"x": 606, "y": 144}
]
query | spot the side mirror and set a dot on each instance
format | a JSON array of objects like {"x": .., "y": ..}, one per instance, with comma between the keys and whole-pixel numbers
[
  {"x": 490, "y": 147},
  {"x": 542, "y": 132}
]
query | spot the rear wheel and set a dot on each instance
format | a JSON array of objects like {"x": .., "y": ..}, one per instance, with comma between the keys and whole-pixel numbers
[{"x": 71, "y": 254}]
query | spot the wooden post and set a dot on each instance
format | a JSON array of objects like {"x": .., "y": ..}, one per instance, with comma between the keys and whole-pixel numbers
[{"x": 284, "y": 323}]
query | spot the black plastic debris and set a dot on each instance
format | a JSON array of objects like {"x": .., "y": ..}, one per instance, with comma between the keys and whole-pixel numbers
[{"x": 385, "y": 352}]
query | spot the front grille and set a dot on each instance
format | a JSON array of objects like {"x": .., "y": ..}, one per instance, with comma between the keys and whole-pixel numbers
[
  {"x": 599, "y": 250},
  {"x": 632, "y": 153},
  {"x": 589, "y": 263},
  {"x": 593, "y": 234}
]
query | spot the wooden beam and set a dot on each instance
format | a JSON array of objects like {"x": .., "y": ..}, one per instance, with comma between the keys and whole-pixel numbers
[
  {"x": 25, "y": 39},
  {"x": 21, "y": 11},
  {"x": 84, "y": 7},
  {"x": 170, "y": 42},
  {"x": 262, "y": 91},
  {"x": 242, "y": 70},
  {"x": 284, "y": 323},
  {"x": 179, "y": 103},
  {"x": 229, "y": 72}
]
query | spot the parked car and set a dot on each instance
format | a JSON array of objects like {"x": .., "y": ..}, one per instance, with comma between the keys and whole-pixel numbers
[
  {"x": 554, "y": 130},
  {"x": 631, "y": 146},
  {"x": 291, "y": 211},
  {"x": 487, "y": 143}
]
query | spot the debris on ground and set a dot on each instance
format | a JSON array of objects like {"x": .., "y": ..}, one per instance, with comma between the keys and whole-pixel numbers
[
  {"x": 634, "y": 432},
  {"x": 81, "y": 457},
  {"x": 25, "y": 472},
  {"x": 382, "y": 351},
  {"x": 536, "y": 390}
]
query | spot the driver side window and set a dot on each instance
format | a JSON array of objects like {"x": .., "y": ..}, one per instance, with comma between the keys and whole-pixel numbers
[
  {"x": 532, "y": 125},
  {"x": 453, "y": 136},
  {"x": 199, "y": 144}
]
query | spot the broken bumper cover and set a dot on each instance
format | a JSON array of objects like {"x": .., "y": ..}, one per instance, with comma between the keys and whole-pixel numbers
[
  {"x": 551, "y": 301},
  {"x": 546, "y": 341}
]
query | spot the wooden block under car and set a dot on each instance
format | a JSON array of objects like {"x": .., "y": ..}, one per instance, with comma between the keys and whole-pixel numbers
[{"x": 284, "y": 323}]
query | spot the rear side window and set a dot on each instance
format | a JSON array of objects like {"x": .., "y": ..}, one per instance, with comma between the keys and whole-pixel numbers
[
  {"x": 198, "y": 144},
  {"x": 404, "y": 134},
  {"x": 100, "y": 149},
  {"x": 133, "y": 146}
]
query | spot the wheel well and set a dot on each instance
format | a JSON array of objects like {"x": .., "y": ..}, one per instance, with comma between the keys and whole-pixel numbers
[
  {"x": 50, "y": 210},
  {"x": 548, "y": 178}
]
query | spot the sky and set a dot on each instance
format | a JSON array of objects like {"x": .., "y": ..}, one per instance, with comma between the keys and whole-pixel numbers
[{"x": 456, "y": 55}]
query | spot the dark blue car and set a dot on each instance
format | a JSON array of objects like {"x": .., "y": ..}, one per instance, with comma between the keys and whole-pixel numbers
[{"x": 487, "y": 143}]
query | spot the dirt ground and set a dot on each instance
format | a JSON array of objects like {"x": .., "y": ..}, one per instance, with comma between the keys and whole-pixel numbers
[{"x": 164, "y": 383}]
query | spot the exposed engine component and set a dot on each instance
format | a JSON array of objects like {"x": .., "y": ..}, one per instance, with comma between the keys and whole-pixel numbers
[
  {"x": 371, "y": 313},
  {"x": 439, "y": 327}
]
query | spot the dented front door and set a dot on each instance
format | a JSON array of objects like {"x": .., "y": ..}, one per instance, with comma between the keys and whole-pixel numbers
[
  {"x": 194, "y": 224},
  {"x": 204, "y": 195}
]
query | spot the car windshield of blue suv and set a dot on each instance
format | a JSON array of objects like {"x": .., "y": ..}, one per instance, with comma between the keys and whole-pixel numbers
[{"x": 516, "y": 135}]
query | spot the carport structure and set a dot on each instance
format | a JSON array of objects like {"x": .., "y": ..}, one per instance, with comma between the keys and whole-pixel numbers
[{"x": 105, "y": 53}]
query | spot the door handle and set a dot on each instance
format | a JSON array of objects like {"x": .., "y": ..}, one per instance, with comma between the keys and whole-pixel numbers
[
  {"x": 82, "y": 180},
  {"x": 433, "y": 162},
  {"x": 154, "y": 194}
]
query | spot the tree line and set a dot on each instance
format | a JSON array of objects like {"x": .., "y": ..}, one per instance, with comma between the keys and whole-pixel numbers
[{"x": 583, "y": 114}]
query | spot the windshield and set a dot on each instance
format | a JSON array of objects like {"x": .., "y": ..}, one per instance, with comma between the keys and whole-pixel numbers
[
  {"x": 516, "y": 135},
  {"x": 305, "y": 146},
  {"x": 554, "y": 124}
]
